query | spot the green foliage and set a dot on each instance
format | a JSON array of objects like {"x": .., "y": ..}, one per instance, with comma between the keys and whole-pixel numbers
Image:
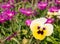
[{"x": 18, "y": 24}]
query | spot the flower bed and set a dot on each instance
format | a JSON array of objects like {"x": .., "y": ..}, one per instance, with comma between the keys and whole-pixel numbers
[{"x": 30, "y": 22}]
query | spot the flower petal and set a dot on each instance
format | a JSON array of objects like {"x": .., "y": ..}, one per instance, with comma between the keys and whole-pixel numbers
[
  {"x": 38, "y": 36},
  {"x": 35, "y": 23},
  {"x": 43, "y": 20},
  {"x": 49, "y": 28}
]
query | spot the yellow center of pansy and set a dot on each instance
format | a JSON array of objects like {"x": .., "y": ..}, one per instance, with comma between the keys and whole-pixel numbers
[{"x": 39, "y": 32}]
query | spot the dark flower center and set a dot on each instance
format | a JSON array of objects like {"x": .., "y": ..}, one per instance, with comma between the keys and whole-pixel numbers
[
  {"x": 38, "y": 27},
  {"x": 40, "y": 32},
  {"x": 43, "y": 28}
]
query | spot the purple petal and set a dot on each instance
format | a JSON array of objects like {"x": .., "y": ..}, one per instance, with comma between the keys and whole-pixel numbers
[
  {"x": 42, "y": 5},
  {"x": 2, "y": 20},
  {"x": 50, "y": 20},
  {"x": 26, "y": 12},
  {"x": 53, "y": 9},
  {"x": 57, "y": 1},
  {"x": 28, "y": 22}
]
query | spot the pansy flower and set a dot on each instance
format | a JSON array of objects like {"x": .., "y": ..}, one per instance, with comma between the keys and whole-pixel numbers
[{"x": 40, "y": 29}]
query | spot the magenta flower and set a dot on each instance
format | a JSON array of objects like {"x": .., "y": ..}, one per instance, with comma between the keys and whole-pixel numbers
[
  {"x": 57, "y": 1},
  {"x": 48, "y": 1},
  {"x": 42, "y": 5},
  {"x": 6, "y": 5},
  {"x": 26, "y": 12},
  {"x": 8, "y": 14},
  {"x": 11, "y": 2},
  {"x": 50, "y": 20},
  {"x": 28, "y": 22},
  {"x": 2, "y": 20},
  {"x": 53, "y": 9}
]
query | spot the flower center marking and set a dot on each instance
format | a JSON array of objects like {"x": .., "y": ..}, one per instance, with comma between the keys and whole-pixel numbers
[
  {"x": 40, "y": 32},
  {"x": 38, "y": 27},
  {"x": 44, "y": 28}
]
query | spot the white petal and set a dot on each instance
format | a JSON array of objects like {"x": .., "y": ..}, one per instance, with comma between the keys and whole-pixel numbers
[
  {"x": 43, "y": 20},
  {"x": 58, "y": 17},
  {"x": 58, "y": 12},
  {"x": 49, "y": 29},
  {"x": 34, "y": 22},
  {"x": 40, "y": 20}
]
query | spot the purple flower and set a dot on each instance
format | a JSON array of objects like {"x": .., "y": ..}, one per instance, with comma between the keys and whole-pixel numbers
[
  {"x": 8, "y": 14},
  {"x": 6, "y": 5},
  {"x": 57, "y": 1},
  {"x": 28, "y": 22},
  {"x": 2, "y": 20},
  {"x": 53, "y": 9},
  {"x": 26, "y": 12},
  {"x": 50, "y": 20},
  {"x": 48, "y": 1},
  {"x": 11, "y": 2},
  {"x": 42, "y": 5}
]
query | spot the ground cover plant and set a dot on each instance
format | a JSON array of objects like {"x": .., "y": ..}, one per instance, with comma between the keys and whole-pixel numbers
[{"x": 29, "y": 21}]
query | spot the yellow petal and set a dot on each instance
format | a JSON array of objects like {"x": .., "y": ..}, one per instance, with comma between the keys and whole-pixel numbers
[
  {"x": 34, "y": 26},
  {"x": 38, "y": 36}
]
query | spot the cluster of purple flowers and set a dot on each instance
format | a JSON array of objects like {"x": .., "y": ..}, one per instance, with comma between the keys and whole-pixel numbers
[
  {"x": 29, "y": 11},
  {"x": 7, "y": 13},
  {"x": 42, "y": 6}
]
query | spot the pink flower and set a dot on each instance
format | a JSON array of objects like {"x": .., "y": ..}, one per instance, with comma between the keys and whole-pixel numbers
[
  {"x": 27, "y": 12},
  {"x": 42, "y": 5},
  {"x": 2, "y": 20},
  {"x": 57, "y": 1},
  {"x": 11, "y": 1},
  {"x": 53, "y": 9},
  {"x": 7, "y": 5},
  {"x": 50, "y": 20},
  {"x": 28, "y": 22},
  {"x": 8, "y": 14}
]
